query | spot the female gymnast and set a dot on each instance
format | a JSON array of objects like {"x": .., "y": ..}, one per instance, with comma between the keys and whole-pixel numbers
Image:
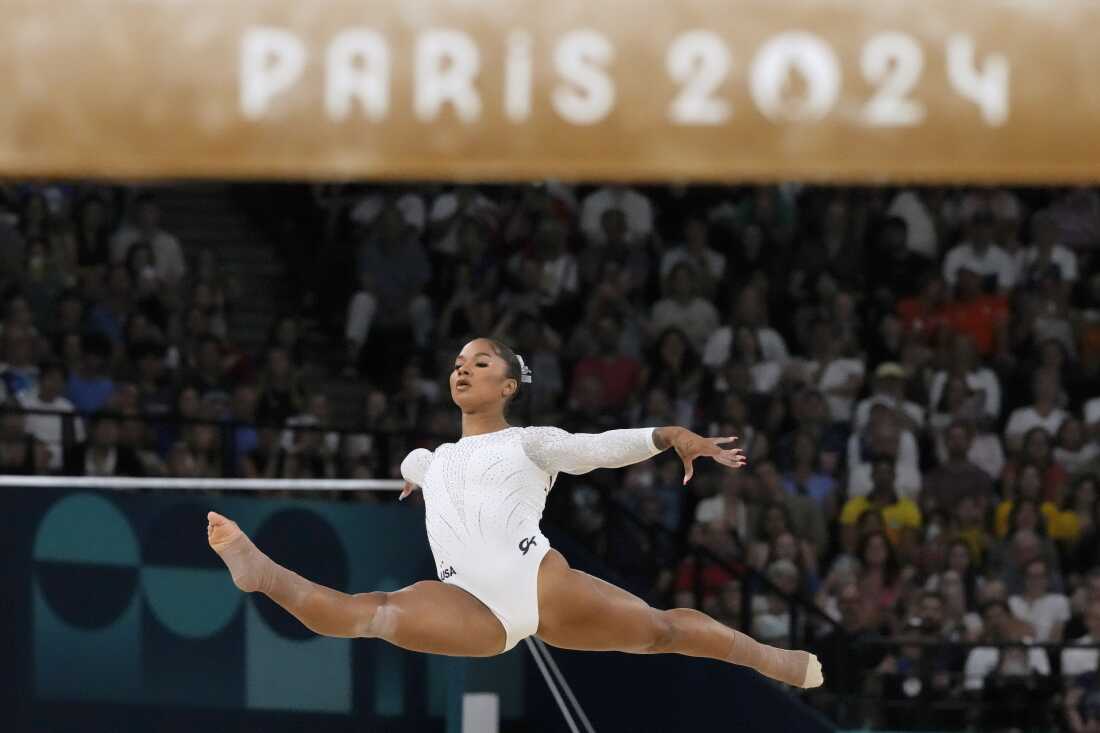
[{"x": 499, "y": 579}]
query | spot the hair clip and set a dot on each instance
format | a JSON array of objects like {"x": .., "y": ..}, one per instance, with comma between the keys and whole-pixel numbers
[{"x": 524, "y": 372}]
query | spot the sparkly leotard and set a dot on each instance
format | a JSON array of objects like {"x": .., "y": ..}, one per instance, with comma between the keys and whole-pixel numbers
[{"x": 484, "y": 497}]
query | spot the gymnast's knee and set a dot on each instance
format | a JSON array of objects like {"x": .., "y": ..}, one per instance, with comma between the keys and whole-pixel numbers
[
  {"x": 377, "y": 617},
  {"x": 664, "y": 631}
]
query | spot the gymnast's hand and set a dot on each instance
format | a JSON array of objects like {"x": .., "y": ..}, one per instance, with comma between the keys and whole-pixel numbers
[
  {"x": 407, "y": 489},
  {"x": 690, "y": 446}
]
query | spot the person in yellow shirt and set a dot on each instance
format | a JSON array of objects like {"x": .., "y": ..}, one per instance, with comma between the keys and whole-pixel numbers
[
  {"x": 1060, "y": 525},
  {"x": 900, "y": 515}
]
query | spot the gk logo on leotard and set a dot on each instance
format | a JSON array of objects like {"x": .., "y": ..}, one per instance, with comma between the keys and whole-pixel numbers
[{"x": 525, "y": 545}]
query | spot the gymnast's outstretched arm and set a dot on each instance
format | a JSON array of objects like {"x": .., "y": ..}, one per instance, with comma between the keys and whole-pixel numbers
[{"x": 554, "y": 450}]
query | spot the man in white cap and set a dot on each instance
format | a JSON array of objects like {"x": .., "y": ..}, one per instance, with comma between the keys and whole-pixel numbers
[{"x": 888, "y": 388}]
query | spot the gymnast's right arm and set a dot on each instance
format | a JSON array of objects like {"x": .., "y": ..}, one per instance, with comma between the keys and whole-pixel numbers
[
  {"x": 413, "y": 469},
  {"x": 554, "y": 450}
]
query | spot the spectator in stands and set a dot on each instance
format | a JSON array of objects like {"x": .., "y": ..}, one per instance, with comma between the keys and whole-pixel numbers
[
  {"x": 1046, "y": 612},
  {"x": 50, "y": 430},
  {"x": 683, "y": 308},
  {"x": 21, "y": 454},
  {"x": 848, "y": 653},
  {"x": 618, "y": 373},
  {"x": 893, "y": 264},
  {"x": 833, "y": 258},
  {"x": 101, "y": 454},
  {"x": 1010, "y": 558},
  {"x": 636, "y": 208},
  {"x": 984, "y": 386},
  {"x": 93, "y": 233},
  {"x": 1046, "y": 252},
  {"x": 1011, "y": 676},
  {"x": 883, "y": 439},
  {"x": 901, "y": 514},
  {"x": 978, "y": 315},
  {"x": 707, "y": 263},
  {"x": 805, "y": 477},
  {"x": 888, "y": 388},
  {"x": 1043, "y": 412},
  {"x": 803, "y": 516},
  {"x": 18, "y": 371},
  {"x": 1074, "y": 450},
  {"x": 980, "y": 255},
  {"x": 833, "y": 371},
  {"x": 749, "y": 310},
  {"x": 811, "y": 416},
  {"x": 245, "y": 437},
  {"x": 956, "y": 476},
  {"x": 261, "y": 461},
  {"x": 146, "y": 228},
  {"x": 89, "y": 387},
  {"x": 280, "y": 392},
  {"x": 673, "y": 365},
  {"x": 393, "y": 271}
]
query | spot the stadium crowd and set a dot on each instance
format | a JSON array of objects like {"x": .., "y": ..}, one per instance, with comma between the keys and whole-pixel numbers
[{"x": 913, "y": 373}]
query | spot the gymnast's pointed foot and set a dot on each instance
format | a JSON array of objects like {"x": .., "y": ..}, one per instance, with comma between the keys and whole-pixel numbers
[
  {"x": 249, "y": 567},
  {"x": 814, "y": 677}
]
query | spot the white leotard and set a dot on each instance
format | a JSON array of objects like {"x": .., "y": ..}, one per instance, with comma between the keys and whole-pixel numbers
[{"x": 484, "y": 497}]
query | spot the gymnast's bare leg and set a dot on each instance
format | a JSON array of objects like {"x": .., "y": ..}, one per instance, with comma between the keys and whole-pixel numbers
[
  {"x": 428, "y": 616},
  {"x": 579, "y": 611}
]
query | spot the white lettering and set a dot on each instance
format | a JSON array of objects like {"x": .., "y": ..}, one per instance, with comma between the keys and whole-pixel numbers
[
  {"x": 517, "y": 77},
  {"x": 699, "y": 61},
  {"x": 271, "y": 61},
  {"x": 813, "y": 60},
  {"x": 987, "y": 87},
  {"x": 357, "y": 69},
  {"x": 447, "y": 62},
  {"x": 589, "y": 94},
  {"x": 894, "y": 62}
]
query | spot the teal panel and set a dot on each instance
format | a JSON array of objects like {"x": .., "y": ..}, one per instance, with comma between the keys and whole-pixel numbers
[
  {"x": 286, "y": 674},
  {"x": 86, "y": 528},
  {"x": 191, "y": 602},
  {"x": 86, "y": 664}
]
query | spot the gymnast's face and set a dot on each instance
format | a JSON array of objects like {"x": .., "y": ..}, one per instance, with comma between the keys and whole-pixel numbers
[{"x": 480, "y": 378}]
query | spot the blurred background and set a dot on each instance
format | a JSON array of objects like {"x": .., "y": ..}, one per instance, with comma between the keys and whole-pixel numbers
[{"x": 911, "y": 371}]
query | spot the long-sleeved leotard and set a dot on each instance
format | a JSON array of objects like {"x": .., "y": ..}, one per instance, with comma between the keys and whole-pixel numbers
[{"x": 484, "y": 497}]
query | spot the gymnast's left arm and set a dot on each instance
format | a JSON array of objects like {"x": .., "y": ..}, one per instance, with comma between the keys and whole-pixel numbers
[{"x": 555, "y": 450}]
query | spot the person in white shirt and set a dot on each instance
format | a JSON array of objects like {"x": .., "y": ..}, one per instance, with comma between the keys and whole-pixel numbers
[
  {"x": 883, "y": 438},
  {"x": 167, "y": 253},
  {"x": 1042, "y": 413},
  {"x": 889, "y": 389},
  {"x": 695, "y": 250},
  {"x": 1045, "y": 250},
  {"x": 749, "y": 311},
  {"x": 981, "y": 255},
  {"x": 921, "y": 234},
  {"x": 49, "y": 429},
  {"x": 981, "y": 380},
  {"x": 634, "y": 205},
  {"x": 838, "y": 376},
  {"x": 1046, "y": 612},
  {"x": 1092, "y": 417},
  {"x": 683, "y": 309},
  {"x": 1010, "y": 662},
  {"x": 1082, "y": 661}
]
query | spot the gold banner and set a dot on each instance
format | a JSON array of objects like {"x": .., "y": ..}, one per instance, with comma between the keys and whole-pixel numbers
[{"x": 866, "y": 90}]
